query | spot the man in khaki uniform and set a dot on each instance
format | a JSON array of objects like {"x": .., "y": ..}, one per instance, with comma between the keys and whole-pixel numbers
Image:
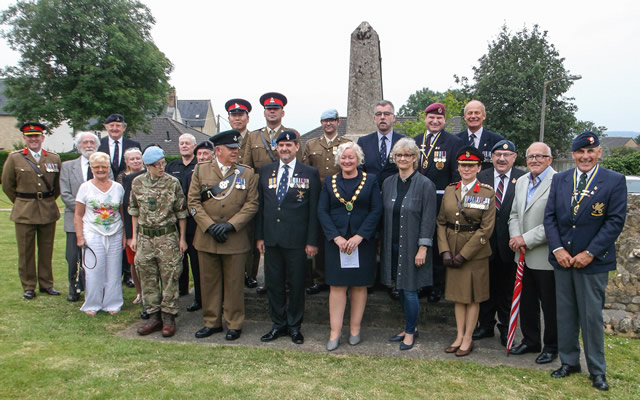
[
  {"x": 30, "y": 179},
  {"x": 259, "y": 147},
  {"x": 223, "y": 198},
  {"x": 320, "y": 154}
]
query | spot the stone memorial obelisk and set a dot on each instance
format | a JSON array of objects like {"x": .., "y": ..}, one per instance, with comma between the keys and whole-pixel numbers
[{"x": 365, "y": 81}]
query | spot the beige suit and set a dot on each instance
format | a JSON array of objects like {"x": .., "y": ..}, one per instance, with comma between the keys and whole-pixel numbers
[
  {"x": 35, "y": 217},
  {"x": 222, "y": 264}
]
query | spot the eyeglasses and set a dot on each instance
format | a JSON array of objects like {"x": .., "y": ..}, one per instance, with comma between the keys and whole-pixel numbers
[
  {"x": 159, "y": 164},
  {"x": 328, "y": 121},
  {"x": 404, "y": 155},
  {"x": 380, "y": 113},
  {"x": 505, "y": 155},
  {"x": 537, "y": 157}
]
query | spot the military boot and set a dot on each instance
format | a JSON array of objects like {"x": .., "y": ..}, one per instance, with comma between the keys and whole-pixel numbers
[
  {"x": 153, "y": 324},
  {"x": 168, "y": 324}
]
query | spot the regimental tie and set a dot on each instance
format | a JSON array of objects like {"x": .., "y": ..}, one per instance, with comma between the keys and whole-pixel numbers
[
  {"x": 500, "y": 191},
  {"x": 284, "y": 184},
  {"x": 89, "y": 173},
  {"x": 116, "y": 156},
  {"x": 581, "y": 185},
  {"x": 472, "y": 140},
  {"x": 37, "y": 157},
  {"x": 383, "y": 151}
]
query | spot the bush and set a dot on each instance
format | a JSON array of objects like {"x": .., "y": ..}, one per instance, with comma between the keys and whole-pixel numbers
[{"x": 627, "y": 164}]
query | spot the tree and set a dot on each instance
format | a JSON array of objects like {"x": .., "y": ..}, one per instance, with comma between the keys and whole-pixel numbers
[
  {"x": 453, "y": 100},
  {"x": 83, "y": 59},
  {"x": 509, "y": 81}
]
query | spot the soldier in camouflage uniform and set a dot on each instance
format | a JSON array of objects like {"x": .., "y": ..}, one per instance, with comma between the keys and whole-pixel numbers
[{"x": 155, "y": 205}]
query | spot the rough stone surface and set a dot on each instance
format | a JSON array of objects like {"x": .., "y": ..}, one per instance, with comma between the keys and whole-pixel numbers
[
  {"x": 365, "y": 80},
  {"x": 623, "y": 292}
]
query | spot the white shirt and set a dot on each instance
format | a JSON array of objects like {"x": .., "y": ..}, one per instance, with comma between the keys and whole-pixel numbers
[
  {"x": 465, "y": 188},
  {"x": 476, "y": 141},
  {"x": 292, "y": 166},
  {"x": 36, "y": 155},
  {"x": 102, "y": 209}
]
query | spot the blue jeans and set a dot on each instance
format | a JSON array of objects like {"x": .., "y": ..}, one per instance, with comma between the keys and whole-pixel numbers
[{"x": 411, "y": 307}]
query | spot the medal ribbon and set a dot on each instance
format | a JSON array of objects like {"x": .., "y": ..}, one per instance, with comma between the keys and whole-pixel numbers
[
  {"x": 585, "y": 191},
  {"x": 431, "y": 146}
]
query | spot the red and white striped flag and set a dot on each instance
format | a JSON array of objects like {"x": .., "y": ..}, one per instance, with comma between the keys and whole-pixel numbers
[{"x": 515, "y": 303}]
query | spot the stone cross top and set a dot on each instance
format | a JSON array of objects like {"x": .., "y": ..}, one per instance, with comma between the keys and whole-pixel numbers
[{"x": 365, "y": 80}]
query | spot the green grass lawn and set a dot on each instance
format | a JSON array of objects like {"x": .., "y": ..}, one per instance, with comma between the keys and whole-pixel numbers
[{"x": 50, "y": 350}]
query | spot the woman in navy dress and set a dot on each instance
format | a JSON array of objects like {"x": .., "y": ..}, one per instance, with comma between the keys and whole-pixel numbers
[{"x": 349, "y": 211}]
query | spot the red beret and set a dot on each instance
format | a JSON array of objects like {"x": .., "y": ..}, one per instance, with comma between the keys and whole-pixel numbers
[{"x": 435, "y": 108}]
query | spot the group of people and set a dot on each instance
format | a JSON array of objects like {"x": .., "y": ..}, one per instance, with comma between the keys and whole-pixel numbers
[{"x": 437, "y": 214}]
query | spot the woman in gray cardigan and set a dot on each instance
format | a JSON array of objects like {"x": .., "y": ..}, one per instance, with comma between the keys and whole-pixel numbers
[{"x": 409, "y": 202}]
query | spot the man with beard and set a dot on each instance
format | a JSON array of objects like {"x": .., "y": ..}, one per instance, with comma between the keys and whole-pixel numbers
[
  {"x": 502, "y": 267},
  {"x": 73, "y": 174},
  {"x": 437, "y": 161},
  {"x": 475, "y": 135},
  {"x": 287, "y": 233},
  {"x": 320, "y": 154}
]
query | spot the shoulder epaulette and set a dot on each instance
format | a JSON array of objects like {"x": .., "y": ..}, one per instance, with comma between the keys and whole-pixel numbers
[
  {"x": 484, "y": 185},
  {"x": 246, "y": 166},
  {"x": 452, "y": 184}
]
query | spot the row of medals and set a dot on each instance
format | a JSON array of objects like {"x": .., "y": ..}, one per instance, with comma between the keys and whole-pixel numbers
[
  {"x": 439, "y": 157},
  {"x": 299, "y": 183}
]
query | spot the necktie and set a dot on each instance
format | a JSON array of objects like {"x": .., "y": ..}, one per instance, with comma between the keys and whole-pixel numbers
[
  {"x": 581, "y": 185},
  {"x": 472, "y": 139},
  {"x": 272, "y": 136},
  {"x": 116, "y": 156},
  {"x": 463, "y": 191},
  {"x": 37, "y": 157},
  {"x": 89, "y": 173},
  {"x": 225, "y": 168},
  {"x": 429, "y": 137},
  {"x": 383, "y": 151},
  {"x": 284, "y": 183},
  {"x": 499, "y": 192}
]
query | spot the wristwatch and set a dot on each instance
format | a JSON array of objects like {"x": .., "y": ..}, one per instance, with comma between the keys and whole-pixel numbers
[{"x": 590, "y": 253}]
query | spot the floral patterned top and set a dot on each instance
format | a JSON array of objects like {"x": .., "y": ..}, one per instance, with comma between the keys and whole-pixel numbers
[{"x": 102, "y": 209}]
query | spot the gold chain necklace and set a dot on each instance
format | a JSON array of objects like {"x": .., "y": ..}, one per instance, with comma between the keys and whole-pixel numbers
[{"x": 348, "y": 204}]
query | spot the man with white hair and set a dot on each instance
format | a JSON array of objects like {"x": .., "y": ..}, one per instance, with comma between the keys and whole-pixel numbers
[
  {"x": 182, "y": 169},
  {"x": 73, "y": 174}
]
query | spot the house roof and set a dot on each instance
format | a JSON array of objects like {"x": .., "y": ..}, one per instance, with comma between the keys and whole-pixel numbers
[
  {"x": 194, "y": 112},
  {"x": 166, "y": 132},
  {"x": 3, "y": 98},
  {"x": 616, "y": 141}
]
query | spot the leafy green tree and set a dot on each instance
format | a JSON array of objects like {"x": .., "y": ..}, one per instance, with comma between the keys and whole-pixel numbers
[
  {"x": 582, "y": 126},
  {"x": 509, "y": 81},
  {"x": 454, "y": 101},
  {"x": 83, "y": 59},
  {"x": 625, "y": 162}
]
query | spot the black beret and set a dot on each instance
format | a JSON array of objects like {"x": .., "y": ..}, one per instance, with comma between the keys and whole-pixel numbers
[
  {"x": 203, "y": 145},
  {"x": 585, "y": 140},
  {"x": 114, "y": 118},
  {"x": 287, "y": 136},
  {"x": 228, "y": 138}
]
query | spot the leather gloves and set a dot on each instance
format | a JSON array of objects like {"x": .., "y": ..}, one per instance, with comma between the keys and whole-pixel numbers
[
  {"x": 457, "y": 261},
  {"x": 219, "y": 231},
  {"x": 447, "y": 258}
]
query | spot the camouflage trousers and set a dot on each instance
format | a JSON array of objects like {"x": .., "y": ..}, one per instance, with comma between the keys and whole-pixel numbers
[{"x": 159, "y": 265}]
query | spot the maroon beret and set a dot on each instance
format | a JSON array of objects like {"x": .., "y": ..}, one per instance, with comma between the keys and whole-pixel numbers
[{"x": 435, "y": 108}]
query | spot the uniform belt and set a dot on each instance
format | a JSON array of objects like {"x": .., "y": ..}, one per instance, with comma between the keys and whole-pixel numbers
[
  {"x": 37, "y": 195},
  {"x": 463, "y": 227},
  {"x": 153, "y": 232}
]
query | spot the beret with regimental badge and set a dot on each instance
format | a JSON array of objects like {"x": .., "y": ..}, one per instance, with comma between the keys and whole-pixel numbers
[
  {"x": 273, "y": 100},
  {"x": 203, "y": 145},
  {"x": 228, "y": 138},
  {"x": 435, "y": 108},
  {"x": 237, "y": 106},
  {"x": 114, "y": 118},
  {"x": 287, "y": 136},
  {"x": 469, "y": 155},
  {"x": 586, "y": 140},
  {"x": 32, "y": 128},
  {"x": 504, "y": 144}
]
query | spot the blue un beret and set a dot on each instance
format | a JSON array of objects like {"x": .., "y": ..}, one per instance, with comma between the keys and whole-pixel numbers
[
  {"x": 152, "y": 154},
  {"x": 504, "y": 144},
  {"x": 329, "y": 114},
  {"x": 585, "y": 140}
]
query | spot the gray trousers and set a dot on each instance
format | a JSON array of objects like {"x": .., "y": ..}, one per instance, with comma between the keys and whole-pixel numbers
[{"x": 579, "y": 304}]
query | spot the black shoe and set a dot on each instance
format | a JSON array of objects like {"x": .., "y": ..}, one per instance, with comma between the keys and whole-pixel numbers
[
  {"x": 144, "y": 315},
  {"x": 233, "y": 334},
  {"x": 261, "y": 290},
  {"x": 250, "y": 282},
  {"x": 206, "y": 332},
  {"x": 50, "y": 291},
  {"x": 435, "y": 295},
  {"x": 565, "y": 370},
  {"x": 129, "y": 283},
  {"x": 400, "y": 338},
  {"x": 29, "y": 294},
  {"x": 546, "y": 358},
  {"x": 599, "y": 382},
  {"x": 273, "y": 334},
  {"x": 316, "y": 288},
  {"x": 195, "y": 306},
  {"x": 296, "y": 336},
  {"x": 481, "y": 332},
  {"x": 72, "y": 297},
  {"x": 393, "y": 293},
  {"x": 523, "y": 349},
  {"x": 407, "y": 346}
]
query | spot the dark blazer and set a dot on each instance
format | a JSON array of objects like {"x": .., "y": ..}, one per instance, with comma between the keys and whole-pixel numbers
[
  {"x": 500, "y": 237},
  {"x": 487, "y": 141},
  {"x": 599, "y": 221},
  {"x": 441, "y": 174},
  {"x": 371, "y": 149},
  {"x": 126, "y": 144},
  {"x": 362, "y": 220},
  {"x": 294, "y": 223},
  {"x": 126, "y": 217}
]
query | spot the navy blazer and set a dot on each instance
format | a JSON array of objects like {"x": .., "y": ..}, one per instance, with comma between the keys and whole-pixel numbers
[
  {"x": 500, "y": 237},
  {"x": 362, "y": 220},
  {"x": 371, "y": 149},
  {"x": 126, "y": 144},
  {"x": 599, "y": 221},
  {"x": 294, "y": 223},
  {"x": 488, "y": 139},
  {"x": 448, "y": 173}
]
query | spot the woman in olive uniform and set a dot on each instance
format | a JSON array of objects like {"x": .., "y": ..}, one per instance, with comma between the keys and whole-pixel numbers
[{"x": 465, "y": 224}]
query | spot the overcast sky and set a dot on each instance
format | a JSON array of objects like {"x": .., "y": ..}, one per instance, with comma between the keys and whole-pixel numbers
[{"x": 225, "y": 49}]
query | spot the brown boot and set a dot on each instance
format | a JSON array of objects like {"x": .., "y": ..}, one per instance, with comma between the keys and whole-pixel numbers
[
  {"x": 153, "y": 324},
  {"x": 168, "y": 324}
]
